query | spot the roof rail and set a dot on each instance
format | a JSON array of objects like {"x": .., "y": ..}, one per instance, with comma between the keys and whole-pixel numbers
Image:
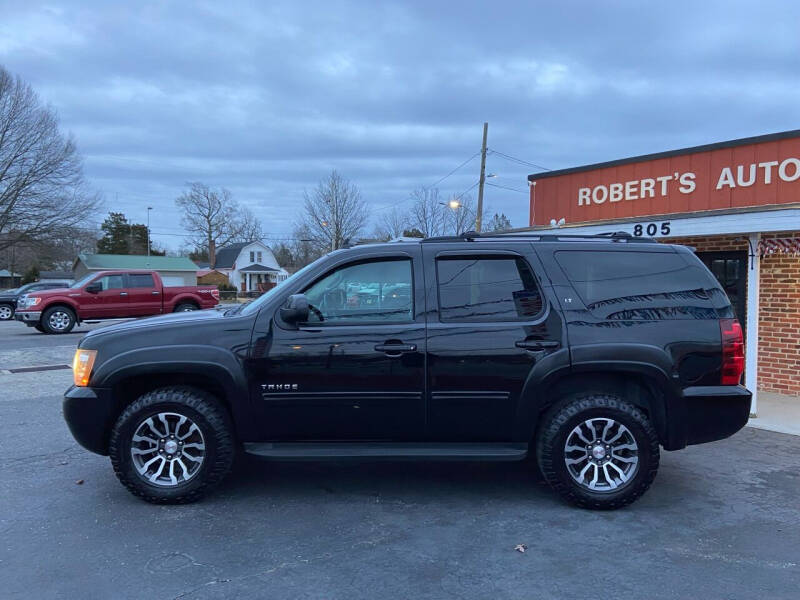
[{"x": 545, "y": 236}]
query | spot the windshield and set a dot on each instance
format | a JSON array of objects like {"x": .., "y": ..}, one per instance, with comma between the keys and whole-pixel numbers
[
  {"x": 254, "y": 305},
  {"x": 83, "y": 282}
]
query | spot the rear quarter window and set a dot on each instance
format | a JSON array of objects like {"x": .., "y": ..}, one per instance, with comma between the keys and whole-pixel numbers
[{"x": 647, "y": 285}]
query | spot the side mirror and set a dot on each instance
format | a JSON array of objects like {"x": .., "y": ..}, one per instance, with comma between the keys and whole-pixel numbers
[
  {"x": 94, "y": 287},
  {"x": 296, "y": 309}
]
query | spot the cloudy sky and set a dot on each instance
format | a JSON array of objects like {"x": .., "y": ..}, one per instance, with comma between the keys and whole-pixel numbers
[{"x": 265, "y": 98}]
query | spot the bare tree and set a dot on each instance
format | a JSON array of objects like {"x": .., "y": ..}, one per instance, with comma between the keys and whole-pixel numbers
[
  {"x": 391, "y": 224},
  {"x": 499, "y": 222},
  {"x": 460, "y": 216},
  {"x": 428, "y": 212},
  {"x": 334, "y": 213},
  {"x": 215, "y": 219},
  {"x": 42, "y": 189}
]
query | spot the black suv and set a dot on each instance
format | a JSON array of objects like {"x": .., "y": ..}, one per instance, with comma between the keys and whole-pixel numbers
[{"x": 585, "y": 353}]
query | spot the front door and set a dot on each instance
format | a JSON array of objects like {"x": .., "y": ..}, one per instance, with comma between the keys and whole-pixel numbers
[
  {"x": 110, "y": 301},
  {"x": 356, "y": 369},
  {"x": 489, "y": 325}
]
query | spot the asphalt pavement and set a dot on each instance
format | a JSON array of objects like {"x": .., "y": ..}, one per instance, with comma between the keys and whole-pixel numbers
[{"x": 721, "y": 521}]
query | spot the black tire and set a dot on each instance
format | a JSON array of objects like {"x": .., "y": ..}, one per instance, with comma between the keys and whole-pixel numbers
[
  {"x": 38, "y": 327},
  {"x": 6, "y": 312},
  {"x": 63, "y": 315},
  {"x": 185, "y": 307},
  {"x": 561, "y": 420},
  {"x": 201, "y": 408}
]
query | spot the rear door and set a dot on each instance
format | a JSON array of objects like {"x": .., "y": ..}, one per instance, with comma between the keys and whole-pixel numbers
[
  {"x": 144, "y": 295},
  {"x": 489, "y": 326}
]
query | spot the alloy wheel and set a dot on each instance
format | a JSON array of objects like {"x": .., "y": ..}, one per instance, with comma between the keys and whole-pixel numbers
[
  {"x": 168, "y": 449},
  {"x": 59, "y": 320},
  {"x": 601, "y": 455},
  {"x": 5, "y": 313}
]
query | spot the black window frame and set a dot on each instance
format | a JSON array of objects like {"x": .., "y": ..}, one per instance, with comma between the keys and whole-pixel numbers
[
  {"x": 362, "y": 323},
  {"x": 490, "y": 255}
]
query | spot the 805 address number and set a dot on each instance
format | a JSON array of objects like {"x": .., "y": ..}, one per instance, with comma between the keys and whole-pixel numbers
[{"x": 651, "y": 229}]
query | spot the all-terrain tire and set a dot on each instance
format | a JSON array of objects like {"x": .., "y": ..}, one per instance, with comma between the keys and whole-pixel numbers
[
  {"x": 201, "y": 408},
  {"x": 562, "y": 418}
]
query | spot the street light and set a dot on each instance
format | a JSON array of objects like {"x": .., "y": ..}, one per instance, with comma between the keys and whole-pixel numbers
[{"x": 149, "y": 208}]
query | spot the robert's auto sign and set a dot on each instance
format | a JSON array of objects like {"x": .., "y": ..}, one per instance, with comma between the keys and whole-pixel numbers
[{"x": 719, "y": 176}]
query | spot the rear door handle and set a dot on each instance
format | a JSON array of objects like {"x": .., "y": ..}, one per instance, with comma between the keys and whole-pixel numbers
[
  {"x": 396, "y": 349},
  {"x": 536, "y": 344},
  {"x": 123, "y": 293}
]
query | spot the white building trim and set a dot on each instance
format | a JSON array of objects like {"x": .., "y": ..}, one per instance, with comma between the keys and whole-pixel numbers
[
  {"x": 666, "y": 226},
  {"x": 751, "y": 340}
]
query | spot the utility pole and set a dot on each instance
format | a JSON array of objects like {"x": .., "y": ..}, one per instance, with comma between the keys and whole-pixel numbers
[
  {"x": 482, "y": 180},
  {"x": 149, "y": 208}
]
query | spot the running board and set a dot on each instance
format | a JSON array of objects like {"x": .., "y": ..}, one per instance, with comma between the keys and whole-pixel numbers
[{"x": 386, "y": 450}]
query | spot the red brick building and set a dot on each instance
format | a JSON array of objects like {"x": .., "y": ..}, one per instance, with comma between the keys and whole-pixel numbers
[{"x": 737, "y": 203}]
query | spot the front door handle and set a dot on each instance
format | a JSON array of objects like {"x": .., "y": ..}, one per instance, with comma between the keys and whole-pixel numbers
[
  {"x": 123, "y": 293},
  {"x": 395, "y": 349},
  {"x": 154, "y": 293},
  {"x": 536, "y": 344}
]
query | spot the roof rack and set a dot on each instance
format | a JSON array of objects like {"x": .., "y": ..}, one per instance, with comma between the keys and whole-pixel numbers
[{"x": 471, "y": 236}]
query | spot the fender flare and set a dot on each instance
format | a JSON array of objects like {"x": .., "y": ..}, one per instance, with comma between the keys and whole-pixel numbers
[{"x": 204, "y": 362}]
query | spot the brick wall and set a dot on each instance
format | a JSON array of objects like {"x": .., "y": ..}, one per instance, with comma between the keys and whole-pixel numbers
[{"x": 779, "y": 315}]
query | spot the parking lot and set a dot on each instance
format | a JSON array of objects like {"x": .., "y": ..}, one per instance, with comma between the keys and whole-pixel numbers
[{"x": 721, "y": 520}]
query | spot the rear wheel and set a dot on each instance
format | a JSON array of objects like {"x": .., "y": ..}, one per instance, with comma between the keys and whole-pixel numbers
[
  {"x": 185, "y": 307},
  {"x": 6, "y": 312},
  {"x": 58, "y": 319},
  {"x": 598, "y": 450},
  {"x": 172, "y": 445}
]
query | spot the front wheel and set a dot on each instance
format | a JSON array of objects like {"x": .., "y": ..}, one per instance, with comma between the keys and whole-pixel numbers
[
  {"x": 58, "y": 319},
  {"x": 6, "y": 312},
  {"x": 598, "y": 451},
  {"x": 172, "y": 445}
]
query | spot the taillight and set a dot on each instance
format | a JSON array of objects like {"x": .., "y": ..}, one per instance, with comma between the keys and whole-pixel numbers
[
  {"x": 732, "y": 351},
  {"x": 215, "y": 294}
]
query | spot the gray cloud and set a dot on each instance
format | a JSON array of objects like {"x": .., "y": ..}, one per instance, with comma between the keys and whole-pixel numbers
[{"x": 265, "y": 98}]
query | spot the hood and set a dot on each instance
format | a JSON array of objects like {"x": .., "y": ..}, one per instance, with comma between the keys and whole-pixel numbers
[
  {"x": 195, "y": 317},
  {"x": 51, "y": 292}
]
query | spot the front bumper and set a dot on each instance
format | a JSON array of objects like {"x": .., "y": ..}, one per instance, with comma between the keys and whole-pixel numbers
[
  {"x": 90, "y": 413},
  {"x": 714, "y": 412},
  {"x": 28, "y": 316}
]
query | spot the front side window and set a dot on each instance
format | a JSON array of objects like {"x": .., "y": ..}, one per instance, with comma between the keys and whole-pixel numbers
[
  {"x": 111, "y": 282},
  {"x": 487, "y": 288},
  {"x": 377, "y": 291}
]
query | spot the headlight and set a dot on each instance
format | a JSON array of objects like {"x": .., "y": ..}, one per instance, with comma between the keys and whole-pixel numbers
[{"x": 82, "y": 366}]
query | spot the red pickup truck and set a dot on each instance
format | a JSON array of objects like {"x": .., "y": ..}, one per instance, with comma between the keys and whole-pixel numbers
[{"x": 110, "y": 295}]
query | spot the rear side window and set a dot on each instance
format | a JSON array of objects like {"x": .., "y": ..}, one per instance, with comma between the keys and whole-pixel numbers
[
  {"x": 631, "y": 285},
  {"x": 487, "y": 288},
  {"x": 141, "y": 280}
]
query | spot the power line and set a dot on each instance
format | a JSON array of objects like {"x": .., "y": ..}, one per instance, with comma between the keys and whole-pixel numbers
[
  {"x": 505, "y": 187},
  {"x": 453, "y": 171},
  {"x": 518, "y": 160}
]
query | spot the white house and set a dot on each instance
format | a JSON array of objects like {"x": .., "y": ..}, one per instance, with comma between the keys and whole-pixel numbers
[{"x": 250, "y": 266}]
